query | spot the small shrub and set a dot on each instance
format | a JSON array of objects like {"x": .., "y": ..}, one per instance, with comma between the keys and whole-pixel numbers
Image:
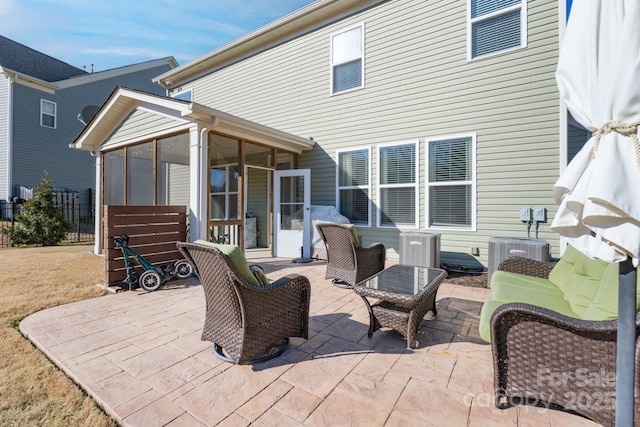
[{"x": 40, "y": 222}]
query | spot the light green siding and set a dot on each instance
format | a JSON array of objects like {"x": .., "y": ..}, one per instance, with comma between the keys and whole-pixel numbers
[
  {"x": 139, "y": 124},
  {"x": 418, "y": 84}
]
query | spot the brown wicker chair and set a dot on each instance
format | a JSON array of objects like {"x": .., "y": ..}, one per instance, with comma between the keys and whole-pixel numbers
[
  {"x": 247, "y": 324},
  {"x": 347, "y": 261},
  {"x": 543, "y": 357}
]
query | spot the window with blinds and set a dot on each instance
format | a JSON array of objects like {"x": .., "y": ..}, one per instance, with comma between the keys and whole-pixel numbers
[
  {"x": 353, "y": 196},
  {"x": 496, "y": 26},
  {"x": 398, "y": 185},
  {"x": 347, "y": 59},
  {"x": 450, "y": 182}
]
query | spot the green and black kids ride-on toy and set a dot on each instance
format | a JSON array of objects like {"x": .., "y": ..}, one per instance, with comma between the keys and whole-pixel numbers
[{"x": 153, "y": 276}]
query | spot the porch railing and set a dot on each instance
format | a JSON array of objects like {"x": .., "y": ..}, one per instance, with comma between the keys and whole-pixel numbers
[{"x": 227, "y": 231}]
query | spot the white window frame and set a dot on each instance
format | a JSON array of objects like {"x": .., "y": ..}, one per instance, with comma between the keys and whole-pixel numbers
[
  {"x": 522, "y": 6},
  {"x": 227, "y": 193},
  {"x": 362, "y": 59},
  {"x": 42, "y": 113},
  {"x": 189, "y": 91},
  {"x": 367, "y": 188},
  {"x": 415, "y": 184},
  {"x": 472, "y": 182}
]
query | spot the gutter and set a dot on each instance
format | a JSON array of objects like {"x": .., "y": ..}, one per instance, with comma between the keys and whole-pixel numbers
[{"x": 27, "y": 80}]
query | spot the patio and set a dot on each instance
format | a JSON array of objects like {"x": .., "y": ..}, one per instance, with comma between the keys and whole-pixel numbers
[{"x": 139, "y": 355}]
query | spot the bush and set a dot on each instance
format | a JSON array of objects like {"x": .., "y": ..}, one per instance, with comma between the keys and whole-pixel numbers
[{"x": 40, "y": 222}]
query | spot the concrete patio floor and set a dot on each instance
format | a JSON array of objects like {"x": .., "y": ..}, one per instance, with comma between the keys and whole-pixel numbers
[{"x": 139, "y": 355}]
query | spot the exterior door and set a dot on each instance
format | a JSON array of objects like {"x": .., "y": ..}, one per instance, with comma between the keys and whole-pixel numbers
[{"x": 292, "y": 209}]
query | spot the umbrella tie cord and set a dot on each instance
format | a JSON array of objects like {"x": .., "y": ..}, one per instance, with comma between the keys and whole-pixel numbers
[{"x": 625, "y": 129}]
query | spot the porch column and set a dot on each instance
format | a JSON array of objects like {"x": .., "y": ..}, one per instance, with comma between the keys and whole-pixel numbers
[
  {"x": 198, "y": 159},
  {"x": 98, "y": 212}
]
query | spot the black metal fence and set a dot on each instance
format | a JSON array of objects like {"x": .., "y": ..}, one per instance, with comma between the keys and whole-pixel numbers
[{"x": 81, "y": 219}]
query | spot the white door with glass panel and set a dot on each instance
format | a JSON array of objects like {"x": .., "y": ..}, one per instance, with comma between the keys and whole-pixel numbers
[{"x": 292, "y": 209}]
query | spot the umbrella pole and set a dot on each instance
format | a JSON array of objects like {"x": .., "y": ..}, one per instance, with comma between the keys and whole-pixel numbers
[{"x": 625, "y": 356}]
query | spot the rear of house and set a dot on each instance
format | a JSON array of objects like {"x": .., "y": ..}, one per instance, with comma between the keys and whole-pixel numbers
[{"x": 433, "y": 117}]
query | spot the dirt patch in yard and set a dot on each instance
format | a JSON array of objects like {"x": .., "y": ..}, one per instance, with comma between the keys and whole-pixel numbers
[{"x": 467, "y": 279}]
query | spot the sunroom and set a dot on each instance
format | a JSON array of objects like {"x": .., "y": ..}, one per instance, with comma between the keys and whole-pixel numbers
[{"x": 154, "y": 150}]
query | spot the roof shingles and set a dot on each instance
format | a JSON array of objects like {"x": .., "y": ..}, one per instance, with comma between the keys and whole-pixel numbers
[{"x": 23, "y": 59}]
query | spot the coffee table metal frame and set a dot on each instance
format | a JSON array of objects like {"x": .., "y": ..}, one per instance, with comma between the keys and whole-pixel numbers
[{"x": 402, "y": 312}]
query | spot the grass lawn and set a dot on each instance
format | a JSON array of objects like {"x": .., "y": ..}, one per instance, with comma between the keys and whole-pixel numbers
[{"x": 34, "y": 391}]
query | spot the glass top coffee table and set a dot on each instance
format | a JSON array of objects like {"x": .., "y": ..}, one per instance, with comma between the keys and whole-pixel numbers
[{"x": 405, "y": 294}]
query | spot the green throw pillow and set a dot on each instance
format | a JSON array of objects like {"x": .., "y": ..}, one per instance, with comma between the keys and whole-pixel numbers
[
  {"x": 236, "y": 258},
  {"x": 579, "y": 278}
]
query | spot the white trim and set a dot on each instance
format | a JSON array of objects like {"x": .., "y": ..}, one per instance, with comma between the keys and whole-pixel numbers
[
  {"x": 416, "y": 184},
  {"x": 472, "y": 182},
  {"x": 9, "y": 181},
  {"x": 523, "y": 28},
  {"x": 55, "y": 113},
  {"x": 354, "y": 187},
  {"x": 362, "y": 58}
]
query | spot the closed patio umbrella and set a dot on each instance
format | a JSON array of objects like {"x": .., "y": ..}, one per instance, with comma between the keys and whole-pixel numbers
[{"x": 598, "y": 76}]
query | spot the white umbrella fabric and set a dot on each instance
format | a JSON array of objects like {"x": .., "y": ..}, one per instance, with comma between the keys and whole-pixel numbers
[{"x": 598, "y": 77}]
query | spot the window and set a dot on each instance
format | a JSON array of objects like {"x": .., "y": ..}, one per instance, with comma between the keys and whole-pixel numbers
[
  {"x": 47, "y": 113},
  {"x": 398, "y": 183},
  {"x": 153, "y": 172},
  {"x": 353, "y": 196},
  {"x": 185, "y": 95},
  {"x": 172, "y": 170},
  {"x": 347, "y": 59},
  {"x": 140, "y": 174},
  {"x": 450, "y": 183},
  {"x": 496, "y": 26},
  {"x": 224, "y": 192}
]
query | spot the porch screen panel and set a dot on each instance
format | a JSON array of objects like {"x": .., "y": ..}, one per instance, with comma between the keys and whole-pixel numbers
[
  {"x": 113, "y": 164},
  {"x": 450, "y": 182},
  {"x": 353, "y": 185},
  {"x": 140, "y": 174},
  {"x": 398, "y": 185},
  {"x": 172, "y": 170}
]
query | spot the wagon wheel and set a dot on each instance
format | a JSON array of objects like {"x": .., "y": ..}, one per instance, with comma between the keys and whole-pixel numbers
[
  {"x": 183, "y": 269},
  {"x": 150, "y": 280}
]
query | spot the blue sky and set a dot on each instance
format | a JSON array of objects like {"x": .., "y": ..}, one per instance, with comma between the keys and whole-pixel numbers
[{"x": 114, "y": 33}]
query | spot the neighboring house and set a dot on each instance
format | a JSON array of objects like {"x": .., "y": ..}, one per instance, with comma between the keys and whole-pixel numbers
[
  {"x": 408, "y": 116},
  {"x": 43, "y": 104}
]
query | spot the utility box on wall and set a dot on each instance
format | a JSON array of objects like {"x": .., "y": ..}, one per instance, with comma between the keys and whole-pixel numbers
[
  {"x": 420, "y": 249},
  {"x": 501, "y": 248}
]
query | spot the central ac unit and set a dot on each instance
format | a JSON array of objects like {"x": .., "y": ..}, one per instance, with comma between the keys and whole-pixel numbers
[
  {"x": 501, "y": 248},
  {"x": 420, "y": 249}
]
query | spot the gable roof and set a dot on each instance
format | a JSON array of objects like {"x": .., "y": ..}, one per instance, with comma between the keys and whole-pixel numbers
[
  {"x": 25, "y": 60},
  {"x": 301, "y": 21},
  {"x": 123, "y": 101}
]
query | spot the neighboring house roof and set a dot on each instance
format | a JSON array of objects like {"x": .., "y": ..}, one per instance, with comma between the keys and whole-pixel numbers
[
  {"x": 301, "y": 21},
  {"x": 44, "y": 72},
  {"x": 25, "y": 60},
  {"x": 123, "y": 101}
]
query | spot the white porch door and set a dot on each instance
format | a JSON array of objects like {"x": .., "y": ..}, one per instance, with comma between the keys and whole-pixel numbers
[{"x": 292, "y": 208}]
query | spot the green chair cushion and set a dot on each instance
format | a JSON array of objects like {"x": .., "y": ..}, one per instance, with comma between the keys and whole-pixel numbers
[
  {"x": 579, "y": 278},
  {"x": 506, "y": 286},
  {"x": 236, "y": 258},
  {"x": 354, "y": 231},
  {"x": 605, "y": 303}
]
